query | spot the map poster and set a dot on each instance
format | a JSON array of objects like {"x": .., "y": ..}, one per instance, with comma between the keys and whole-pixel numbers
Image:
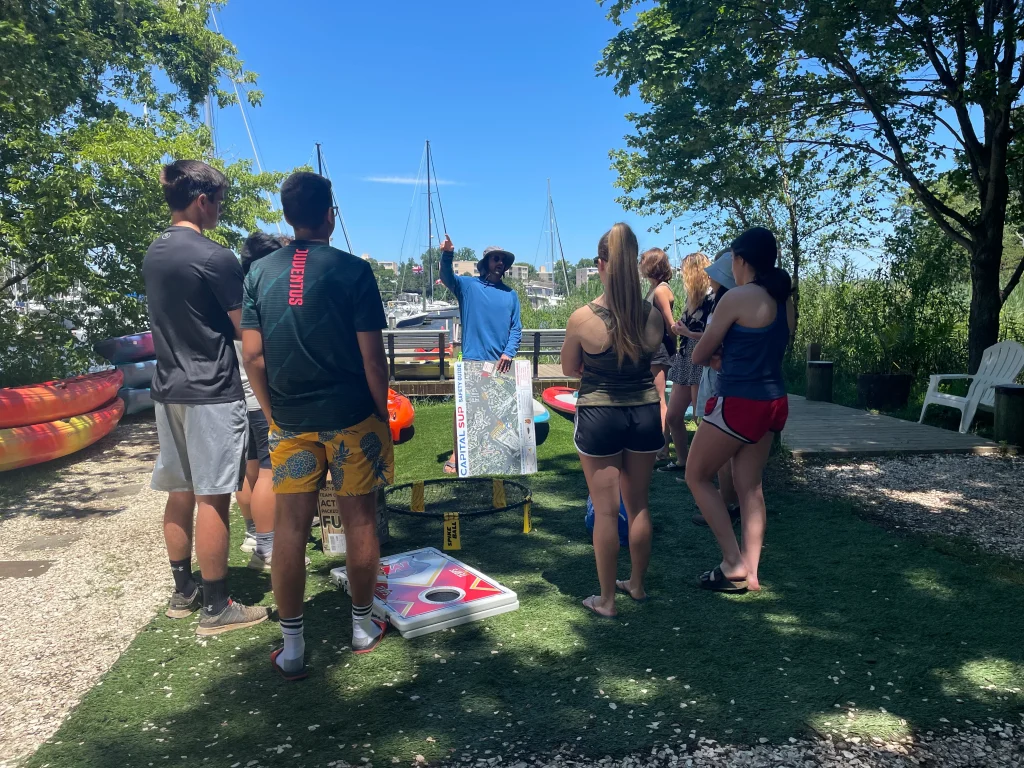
[{"x": 495, "y": 433}]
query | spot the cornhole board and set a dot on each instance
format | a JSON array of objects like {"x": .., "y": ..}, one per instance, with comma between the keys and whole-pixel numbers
[
  {"x": 425, "y": 591},
  {"x": 494, "y": 420},
  {"x": 332, "y": 531}
]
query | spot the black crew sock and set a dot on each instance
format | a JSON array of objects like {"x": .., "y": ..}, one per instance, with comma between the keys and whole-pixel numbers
[
  {"x": 215, "y": 596},
  {"x": 182, "y": 572}
]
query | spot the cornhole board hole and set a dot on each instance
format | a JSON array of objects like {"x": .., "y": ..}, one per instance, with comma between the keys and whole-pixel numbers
[
  {"x": 331, "y": 529},
  {"x": 425, "y": 591}
]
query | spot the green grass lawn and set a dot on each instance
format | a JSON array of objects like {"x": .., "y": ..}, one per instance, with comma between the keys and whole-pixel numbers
[{"x": 858, "y": 631}]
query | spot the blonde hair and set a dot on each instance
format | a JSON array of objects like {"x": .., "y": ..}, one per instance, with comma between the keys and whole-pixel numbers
[
  {"x": 695, "y": 279},
  {"x": 619, "y": 249}
]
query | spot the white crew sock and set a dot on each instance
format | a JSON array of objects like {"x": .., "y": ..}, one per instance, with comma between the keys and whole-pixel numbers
[
  {"x": 364, "y": 631},
  {"x": 291, "y": 658}
]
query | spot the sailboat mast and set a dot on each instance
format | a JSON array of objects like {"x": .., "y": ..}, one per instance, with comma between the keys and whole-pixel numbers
[
  {"x": 319, "y": 160},
  {"x": 430, "y": 233},
  {"x": 551, "y": 226}
]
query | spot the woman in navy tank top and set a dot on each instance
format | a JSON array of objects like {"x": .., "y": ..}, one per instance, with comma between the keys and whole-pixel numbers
[{"x": 745, "y": 344}]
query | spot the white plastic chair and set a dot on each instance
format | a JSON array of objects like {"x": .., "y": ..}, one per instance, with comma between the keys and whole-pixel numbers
[{"x": 1000, "y": 364}]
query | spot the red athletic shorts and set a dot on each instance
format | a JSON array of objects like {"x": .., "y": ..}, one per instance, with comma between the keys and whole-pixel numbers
[{"x": 747, "y": 420}]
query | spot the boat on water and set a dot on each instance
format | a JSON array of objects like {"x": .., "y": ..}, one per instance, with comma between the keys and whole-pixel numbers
[
  {"x": 404, "y": 315},
  {"x": 440, "y": 309}
]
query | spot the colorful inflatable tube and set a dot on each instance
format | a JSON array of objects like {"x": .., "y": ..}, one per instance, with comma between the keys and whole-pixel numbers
[
  {"x": 126, "y": 349},
  {"x": 24, "y": 446},
  {"x": 52, "y": 400},
  {"x": 560, "y": 399},
  {"x": 542, "y": 422},
  {"x": 401, "y": 416}
]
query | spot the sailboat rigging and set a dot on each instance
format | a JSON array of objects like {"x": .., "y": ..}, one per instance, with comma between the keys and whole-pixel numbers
[{"x": 323, "y": 170}]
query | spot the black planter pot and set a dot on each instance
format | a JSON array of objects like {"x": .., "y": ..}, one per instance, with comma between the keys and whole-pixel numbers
[{"x": 883, "y": 391}]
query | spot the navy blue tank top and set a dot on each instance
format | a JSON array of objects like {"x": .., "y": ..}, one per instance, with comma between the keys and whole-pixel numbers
[{"x": 752, "y": 359}]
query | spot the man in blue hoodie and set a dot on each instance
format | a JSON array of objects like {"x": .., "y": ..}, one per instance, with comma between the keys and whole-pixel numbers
[{"x": 491, "y": 328}]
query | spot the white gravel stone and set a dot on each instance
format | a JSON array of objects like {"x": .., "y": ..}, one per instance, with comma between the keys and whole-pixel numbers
[
  {"x": 62, "y": 630},
  {"x": 980, "y": 498}
]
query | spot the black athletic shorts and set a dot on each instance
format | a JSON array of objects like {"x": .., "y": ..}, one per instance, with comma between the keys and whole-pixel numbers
[
  {"x": 603, "y": 431},
  {"x": 259, "y": 445}
]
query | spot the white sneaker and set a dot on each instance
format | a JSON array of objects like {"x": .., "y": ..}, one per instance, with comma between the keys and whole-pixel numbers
[
  {"x": 258, "y": 563},
  {"x": 248, "y": 544}
]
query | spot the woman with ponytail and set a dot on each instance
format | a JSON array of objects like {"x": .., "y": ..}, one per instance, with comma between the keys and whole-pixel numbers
[
  {"x": 609, "y": 343},
  {"x": 745, "y": 344}
]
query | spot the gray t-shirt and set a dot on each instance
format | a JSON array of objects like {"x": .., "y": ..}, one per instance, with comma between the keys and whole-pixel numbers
[{"x": 250, "y": 399}]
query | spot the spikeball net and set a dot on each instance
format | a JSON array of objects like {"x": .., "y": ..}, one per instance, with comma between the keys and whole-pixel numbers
[{"x": 455, "y": 498}]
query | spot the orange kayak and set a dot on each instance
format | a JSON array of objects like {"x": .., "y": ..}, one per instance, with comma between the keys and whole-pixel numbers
[
  {"x": 401, "y": 415},
  {"x": 52, "y": 400},
  {"x": 432, "y": 354},
  {"x": 24, "y": 446}
]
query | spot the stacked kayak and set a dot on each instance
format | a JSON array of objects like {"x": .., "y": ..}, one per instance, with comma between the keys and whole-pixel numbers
[
  {"x": 135, "y": 358},
  {"x": 40, "y": 422},
  {"x": 401, "y": 416},
  {"x": 52, "y": 400},
  {"x": 126, "y": 349}
]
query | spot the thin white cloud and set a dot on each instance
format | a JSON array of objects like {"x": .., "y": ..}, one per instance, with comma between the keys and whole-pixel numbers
[{"x": 406, "y": 180}]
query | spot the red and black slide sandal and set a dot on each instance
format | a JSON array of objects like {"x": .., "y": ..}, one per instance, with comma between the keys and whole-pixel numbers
[
  {"x": 302, "y": 674},
  {"x": 383, "y": 626}
]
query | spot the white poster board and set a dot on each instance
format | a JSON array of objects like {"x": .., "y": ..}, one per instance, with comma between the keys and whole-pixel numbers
[{"x": 495, "y": 431}]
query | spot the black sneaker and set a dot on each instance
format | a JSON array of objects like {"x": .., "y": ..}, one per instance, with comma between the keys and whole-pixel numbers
[
  {"x": 734, "y": 515},
  {"x": 182, "y": 606},
  {"x": 234, "y": 616}
]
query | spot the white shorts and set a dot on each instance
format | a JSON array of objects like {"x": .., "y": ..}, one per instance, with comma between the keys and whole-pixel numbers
[{"x": 202, "y": 448}]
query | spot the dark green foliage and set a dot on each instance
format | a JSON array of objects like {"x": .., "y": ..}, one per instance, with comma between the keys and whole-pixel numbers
[
  {"x": 891, "y": 88},
  {"x": 80, "y": 158}
]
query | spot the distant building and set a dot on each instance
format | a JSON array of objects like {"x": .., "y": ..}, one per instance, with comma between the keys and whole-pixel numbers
[
  {"x": 465, "y": 268},
  {"x": 544, "y": 277},
  {"x": 520, "y": 272},
  {"x": 388, "y": 265},
  {"x": 583, "y": 275},
  {"x": 542, "y": 294}
]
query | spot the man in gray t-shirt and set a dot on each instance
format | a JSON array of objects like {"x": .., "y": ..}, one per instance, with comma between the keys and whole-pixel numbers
[{"x": 194, "y": 295}]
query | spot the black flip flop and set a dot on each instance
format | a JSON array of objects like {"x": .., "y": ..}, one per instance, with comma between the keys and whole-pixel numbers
[
  {"x": 596, "y": 613},
  {"x": 625, "y": 591},
  {"x": 715, "y": 581},
  {"x": 673, "y": 466}
]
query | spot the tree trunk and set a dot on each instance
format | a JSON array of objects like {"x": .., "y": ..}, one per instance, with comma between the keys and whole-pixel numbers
[{"x": 983, "y": 328}]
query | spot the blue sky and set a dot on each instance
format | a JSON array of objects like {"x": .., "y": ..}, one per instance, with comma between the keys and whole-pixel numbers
[{"x": 507, "y": 94}]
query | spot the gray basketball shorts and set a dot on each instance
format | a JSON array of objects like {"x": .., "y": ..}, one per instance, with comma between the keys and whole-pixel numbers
[{"x": 202, "y": 448}]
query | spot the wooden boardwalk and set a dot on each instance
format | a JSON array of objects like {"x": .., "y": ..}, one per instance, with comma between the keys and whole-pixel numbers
[{"x": 818, "y": 429}]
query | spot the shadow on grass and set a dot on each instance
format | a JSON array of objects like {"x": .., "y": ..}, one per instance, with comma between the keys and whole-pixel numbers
[{"x": 856, "y": 632}]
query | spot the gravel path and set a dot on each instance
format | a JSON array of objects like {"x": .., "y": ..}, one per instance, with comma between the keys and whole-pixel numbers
[
  {"x": 980, "y": 498},
  {"x": 92, "y": 527},
  {"x": 1000, "y": 745}
]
